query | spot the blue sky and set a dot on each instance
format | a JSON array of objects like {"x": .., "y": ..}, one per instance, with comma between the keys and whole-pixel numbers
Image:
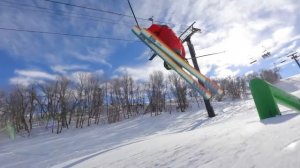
[{"x": 242, "y": 28}]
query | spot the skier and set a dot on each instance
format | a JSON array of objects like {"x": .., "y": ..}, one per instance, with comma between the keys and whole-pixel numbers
[{"x": 166, "y": 35}]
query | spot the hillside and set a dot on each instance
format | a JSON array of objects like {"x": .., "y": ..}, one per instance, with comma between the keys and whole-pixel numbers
[{"x": 234, "y": 138}]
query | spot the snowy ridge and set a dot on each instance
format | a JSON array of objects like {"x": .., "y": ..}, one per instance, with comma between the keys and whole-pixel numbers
[
  {"x": 290, "y": 84},
  {"x": 234, "y": 138}
]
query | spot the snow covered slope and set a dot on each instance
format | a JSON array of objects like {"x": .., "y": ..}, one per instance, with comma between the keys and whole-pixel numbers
[
  {"x": 234, "y": 138},
  {"x": 290, "y": 84}
]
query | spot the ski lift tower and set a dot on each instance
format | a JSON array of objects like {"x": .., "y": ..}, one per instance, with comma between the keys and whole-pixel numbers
[
  {"x": 294, "y": 56},
  {"x": 186, "y": 37}
]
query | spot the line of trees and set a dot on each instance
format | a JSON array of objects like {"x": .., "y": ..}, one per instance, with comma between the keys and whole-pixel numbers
[
  {"x": 89, "y": 99},
  {"x": 238, "y": 87}
]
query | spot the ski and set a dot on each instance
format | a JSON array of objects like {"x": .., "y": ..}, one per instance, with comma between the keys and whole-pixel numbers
[
  {"x": 211, "y": 85},
  {"x": 188, "y": 78}
]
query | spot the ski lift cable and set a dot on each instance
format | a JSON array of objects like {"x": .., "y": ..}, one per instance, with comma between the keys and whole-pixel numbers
[
  {"x": 208, "y": 54},
  {"x": 64, "y": 14},
  {"x": 137, "y": 23},
  {"x": 104, "y": 11},
  {"x": 67, "y": 34}
]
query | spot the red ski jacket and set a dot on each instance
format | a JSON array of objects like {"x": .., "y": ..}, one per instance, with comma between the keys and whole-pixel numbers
[{"x": 166, "y": 35}]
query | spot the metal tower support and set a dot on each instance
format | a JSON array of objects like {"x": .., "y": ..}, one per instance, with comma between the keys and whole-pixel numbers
[
  {"x": 186, "y": 37},
  {"x": 294, "y": 57}
]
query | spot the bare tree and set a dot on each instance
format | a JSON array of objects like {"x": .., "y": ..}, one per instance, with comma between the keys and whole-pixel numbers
[
  {"x": 270, "y": 75},
  {"x": 233, "y": 88},
  {"x": 81, "y": 87},
  {"x": 2, "y": 109},
  {"x": 32, "y": 98},
  {"x": 73, "y": 105},
  {"x": 89, "y": 99},
  {"x": 251, "y": 76},
  {"x": 116, "y": 101},
  {"x": 156, "y": 93},
  {"x": 133, "y": 95},
  {"x": 94, "y": 98},
  {"x": 49, "y": 102},
  {"x": 64, "y": 95},
  {"x": 139, "y": 98},
  {"x": 193, "y": 94},
  {"x": 98, "y": 101},
  {"x": 243, "y": 86},
  {"x": 223, "y": 84},
  {"x": 179, "y": 90},
  {"x": 169, "y": 98},
  {"x": 17, "y": 107},
  {"x": 128, "y": 90}
]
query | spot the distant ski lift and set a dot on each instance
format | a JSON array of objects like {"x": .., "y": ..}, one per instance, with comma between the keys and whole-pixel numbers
[
  {"x": 292, "y": 54},
  {"x": 252, "y": 62},
  {"x": 266, "y": 54},
  {"x": 151, "y": 19},
  {"x": 282, "y": 61}
]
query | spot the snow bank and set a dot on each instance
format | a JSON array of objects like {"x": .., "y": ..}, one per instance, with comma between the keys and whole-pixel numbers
[
  {"x": 234, "y": 138},
  {"x": 290, "y": 84}
]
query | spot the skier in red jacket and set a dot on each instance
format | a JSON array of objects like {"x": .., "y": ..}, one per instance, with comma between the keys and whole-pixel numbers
[{"x": 166, "y": 35}]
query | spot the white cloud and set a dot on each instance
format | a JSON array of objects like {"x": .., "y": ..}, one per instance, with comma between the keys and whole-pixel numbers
[
  {"x": 283, "y": 34},
  {"x": 78, "y": 75},
  {"x": 35, "y": 74},
  {"x": 145, "y": 55},
  {"x": 64, "y": 69},
  {"x": 223, "y": 72},
  {"x": 142, "y": 72},
  {"x": 99, "y": 72},
  {"x": 24, "y": 81},
  {"x": 97, "y": 55},
  {"x": 26, "y": 77},
  {"x": 262, "y": 24},
  {"x": 290, "y": 48},
  {"x": 249, "y": 72}
]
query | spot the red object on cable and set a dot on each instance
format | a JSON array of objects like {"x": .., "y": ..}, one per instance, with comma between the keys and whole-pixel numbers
[{"x": 166, "y": 35}]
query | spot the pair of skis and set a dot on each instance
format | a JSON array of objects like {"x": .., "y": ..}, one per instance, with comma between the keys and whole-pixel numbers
[{"x": 177, "y": 64}]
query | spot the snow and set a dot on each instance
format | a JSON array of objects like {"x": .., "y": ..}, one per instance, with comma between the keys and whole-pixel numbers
[
  {"x": 290, "y": 84},
  {"x": 234, "y": 138}
]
